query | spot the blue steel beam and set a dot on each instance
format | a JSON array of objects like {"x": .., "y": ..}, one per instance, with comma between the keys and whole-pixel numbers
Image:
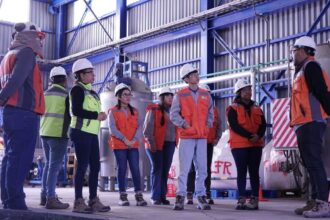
[
  {"x": 106, "y": 78},
  {"x": 121, "y": 26},
  {"x": 223, "y": 43},
  {"x": 61, "y": 24},
  {"x": 263, "y": 8},
  {"x": 57, "y": 3},
  {"x": 219, "y": 22},
  {"x": 318, "y": 19},
  {"x": 207, "y": 42},
  {"x": 164, "y": 38},
  {"x": 78, "y": 28},
  {"x": 278, "y": 40}
]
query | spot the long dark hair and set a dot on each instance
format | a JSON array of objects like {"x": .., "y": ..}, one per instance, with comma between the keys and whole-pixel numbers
[
  {"x": 162, "y": 109},
  {"x": 119, "y": 94}
]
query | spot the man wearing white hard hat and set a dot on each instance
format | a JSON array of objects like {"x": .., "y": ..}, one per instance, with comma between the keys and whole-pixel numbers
[
  {"x": 86, "y": 115},
  {"x": 160, "y": 137},
  {"x": 213, "y": 137},
  {"x": 310, "y": 109},
  {"x": 192, "y": 113},
  {"x": 247, "y": 126},
  {"x": 22, "y": 97},
  {"x": 53, "y": 132}
]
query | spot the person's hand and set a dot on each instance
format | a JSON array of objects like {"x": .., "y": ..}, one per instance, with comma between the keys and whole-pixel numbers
[
  {"x": 254, "y": 138},
  {"x": 129, "y": 143},
  {"x": 102, "y": 116},
  {"x": 126, "y": 142}
]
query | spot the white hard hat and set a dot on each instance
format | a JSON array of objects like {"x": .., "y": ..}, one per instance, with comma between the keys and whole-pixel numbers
[
  {"x": 120, "y": 87},
  {"x": 240, "y": 84},
  {"x": 57, "y": 71},
  {"x": 165, "y": 90},
  {"x": 305, "y": 41},
  {"x": 186, "y": 70},
  {"x": 81, "y": 64},
  {"x": 205, "y": 86}
]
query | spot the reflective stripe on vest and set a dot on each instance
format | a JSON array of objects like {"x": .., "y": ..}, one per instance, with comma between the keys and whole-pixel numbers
[
  {"x": 304, "y": 105},
  {"x": 127, "y": 125},
  {"x": 91, "y": 103},
  {"x": 52, "y": 122},
  {"x": 159, "y": 130},
  {"x": 195, "y": 114},
  {"x": 250, "y": 123},
  {"x": 213, "y": 134}
]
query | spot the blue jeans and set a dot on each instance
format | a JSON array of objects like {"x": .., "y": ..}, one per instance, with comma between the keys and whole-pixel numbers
[
  {"x": 54, "y": 150},
  {"x": 21, "y": 129},
  {"x": 132, "y": 156},
  {"x": 192, "y": 173},
  {"x": 192, "y": 150},
  {"x": 161, "y": 161},
  {"x": 87, "y": 151},
  {"x": 310, "y": 137},
  {"x": 247, "y": 159}
]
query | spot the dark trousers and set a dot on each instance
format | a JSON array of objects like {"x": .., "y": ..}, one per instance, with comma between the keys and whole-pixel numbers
[
  {"x": 132, "y": 156},
  {"x": 161, "y": 161},
  {"x": 87, "y": 151},
  {"x": 192, "y": 173},
  {"x": 310, "y": 138},
  {"x": 21, "y": 129},
  {"x": 247, "y": 159}
]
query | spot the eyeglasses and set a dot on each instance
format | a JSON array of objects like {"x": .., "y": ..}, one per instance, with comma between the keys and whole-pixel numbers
[
  {"x": 89, "y": 71},
  {"x": 127, "y": 94}
]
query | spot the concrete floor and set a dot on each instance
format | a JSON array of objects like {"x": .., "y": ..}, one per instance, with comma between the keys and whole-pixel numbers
[{"x": 223, "y": 209}]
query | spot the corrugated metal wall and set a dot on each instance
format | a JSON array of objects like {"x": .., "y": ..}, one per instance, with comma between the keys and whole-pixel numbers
[
  {"x": 100, "y": 72},
  {"x": 40, "y": 15},
  {"x": 282, "y": 24},
  {"x": 91, "y": 35},
  {"x": 159, "y": 12},
  {"x": 6, "y": 31},
  {"x": 169, "y": 54}
]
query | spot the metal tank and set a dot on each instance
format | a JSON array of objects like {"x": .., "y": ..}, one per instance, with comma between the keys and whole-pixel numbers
[
  {"x": 323, "y": 57},
  {"x": 142, "y": 97}
]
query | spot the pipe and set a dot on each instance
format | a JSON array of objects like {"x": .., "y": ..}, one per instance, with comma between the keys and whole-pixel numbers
[{"x": 228, "y": 77}]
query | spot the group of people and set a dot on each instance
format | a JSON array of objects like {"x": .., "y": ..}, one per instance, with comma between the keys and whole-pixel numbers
[{"x": 187, "y": 119}]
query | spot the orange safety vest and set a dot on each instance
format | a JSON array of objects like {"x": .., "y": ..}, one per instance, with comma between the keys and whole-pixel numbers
[
  {"x": 159, "y": 130},
  {"x": 301, "y": 109},
  {"x": 126, "y": 125},
  {"x": 195, "y": 114},
  {"x": 213, "y": 131},
  {"x": 18, "y": 98},
  {"x": 250, "y": 123}
]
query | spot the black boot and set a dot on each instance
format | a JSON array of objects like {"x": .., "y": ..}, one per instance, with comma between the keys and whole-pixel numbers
[{"x": 179, "y": 203}]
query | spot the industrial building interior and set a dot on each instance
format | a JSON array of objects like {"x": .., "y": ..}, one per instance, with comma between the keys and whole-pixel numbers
[{"x": 145, "y": 43}]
